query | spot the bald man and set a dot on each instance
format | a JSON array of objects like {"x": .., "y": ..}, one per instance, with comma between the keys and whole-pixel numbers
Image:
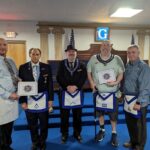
[
  {"x": 137, "y": 91},
  {"x": 105, "y": 72},
  {"x": 8, "y": 96}
]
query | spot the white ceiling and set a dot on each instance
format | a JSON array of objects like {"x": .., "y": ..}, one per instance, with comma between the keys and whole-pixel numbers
[{"x": 81, "y": 11}]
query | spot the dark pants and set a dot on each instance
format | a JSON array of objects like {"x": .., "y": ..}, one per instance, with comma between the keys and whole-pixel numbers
[
  {"x": 137, "y": 129},
  {"x": 38, "y": 121},
  {"x": 5, "y": 135},
  {"x": 76, "y": 121}
]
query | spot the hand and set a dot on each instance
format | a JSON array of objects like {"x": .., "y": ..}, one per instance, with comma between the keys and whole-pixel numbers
[
  {"x": 50, "y": 106},
  {"x": 93, "y": 87},
  {"x": 24, "y": 106},
  {"x": 14, "y": 96},
  {"x": 112, "y": 83},
  {"x": 137, "y": 106},
  {"x": 71, "y": 88}
]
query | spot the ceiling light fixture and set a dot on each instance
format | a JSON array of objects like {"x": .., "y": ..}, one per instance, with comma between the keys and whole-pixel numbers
[
  {"x": 10, "y": 34},
  {"x": 125, "y": 12}
]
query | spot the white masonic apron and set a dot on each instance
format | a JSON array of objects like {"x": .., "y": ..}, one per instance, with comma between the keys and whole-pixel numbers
[
  {"x": 129, "y": 102},
  {"x": 105, "y": 101},
  {"x": 72, "y": 100},
  {"x": 38, "y": 103}
]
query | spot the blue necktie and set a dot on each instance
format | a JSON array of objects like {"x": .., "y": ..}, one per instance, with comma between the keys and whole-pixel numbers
[{"x": 36, "y": 72}]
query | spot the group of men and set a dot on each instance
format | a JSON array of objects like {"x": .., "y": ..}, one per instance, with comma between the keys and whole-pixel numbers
[{"x": 105, "y": 72}]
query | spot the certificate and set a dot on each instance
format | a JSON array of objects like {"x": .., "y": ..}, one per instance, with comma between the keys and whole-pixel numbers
[
  {"x": 27, "y": 88},
  {"x": 106, "y": 76}
]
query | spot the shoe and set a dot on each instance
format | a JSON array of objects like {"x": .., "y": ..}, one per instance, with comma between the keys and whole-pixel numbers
[
  {"x": 137, "y": 148},
  {"x": 43, "y": 146},
  {"x": 114, "y": 140},
  {"x": 9, "y": 148},
  {"x": 127, "y": 145},
  {"x": 34, "y": 147},
  {"x": 64, "y": 139},
  {"x": 78, "y": 138},
  {"x": 6, "y": 148},
  {"x": 100, "y": 136}
]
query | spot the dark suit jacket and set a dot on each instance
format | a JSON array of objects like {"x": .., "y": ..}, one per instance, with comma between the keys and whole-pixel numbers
[
  {"x": 65, "y": 78},
  {"x": 45, "y": 82}
]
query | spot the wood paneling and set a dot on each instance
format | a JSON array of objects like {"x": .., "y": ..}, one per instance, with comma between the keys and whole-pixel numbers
[{"x": 17, "y": 51}]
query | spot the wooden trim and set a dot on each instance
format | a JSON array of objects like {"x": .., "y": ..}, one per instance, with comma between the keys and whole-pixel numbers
[
  {"x": 16, "y": 42},
  {"x": 93, "y": 25}
]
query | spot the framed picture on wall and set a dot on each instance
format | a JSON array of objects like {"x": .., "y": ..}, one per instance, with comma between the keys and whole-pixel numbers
[{"x": 102, "y": 34}]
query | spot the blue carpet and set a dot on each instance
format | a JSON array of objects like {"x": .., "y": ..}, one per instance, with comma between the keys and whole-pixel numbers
[
  {"x": 22, "y": 141},
  {"x": 87, "y": 115}
]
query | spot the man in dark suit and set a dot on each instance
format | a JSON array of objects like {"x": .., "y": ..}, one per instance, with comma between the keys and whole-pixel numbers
[
  {"x": 40, "y": 73},
  {"x": 71, "y": 77}
]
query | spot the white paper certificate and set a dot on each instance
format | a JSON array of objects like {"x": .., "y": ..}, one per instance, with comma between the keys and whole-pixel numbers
[
  {"x": 106, "y": 76},
  {"x": 27, "y": 88}
]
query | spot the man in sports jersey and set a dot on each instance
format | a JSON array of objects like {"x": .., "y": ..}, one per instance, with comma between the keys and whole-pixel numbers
[{"x": 105, "y": 72}]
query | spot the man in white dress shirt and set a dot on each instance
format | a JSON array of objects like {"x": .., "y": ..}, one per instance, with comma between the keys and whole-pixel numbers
[{"x": 8, "y": 96}]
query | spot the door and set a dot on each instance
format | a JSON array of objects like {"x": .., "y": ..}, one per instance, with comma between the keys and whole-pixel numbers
[{"x": 17, "y": 51}]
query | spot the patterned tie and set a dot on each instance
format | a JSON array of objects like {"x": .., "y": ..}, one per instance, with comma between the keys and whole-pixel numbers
[
  {"x": 15, "y": 79},
  {"x": 36, "y": 72},
  {"x": 71, "y": 65}
]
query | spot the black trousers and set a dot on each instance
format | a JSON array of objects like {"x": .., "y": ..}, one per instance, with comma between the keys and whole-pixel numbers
[
  {"x": 38, "y": 125},
  {"x": 76, "y": 121},
  {"x": 5, "y": 135},
  {"x": 137, "y": 129}
]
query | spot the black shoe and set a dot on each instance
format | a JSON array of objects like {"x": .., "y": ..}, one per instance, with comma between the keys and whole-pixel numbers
[
  {"x": 43, "y": 146},
  {"x": 127, "y": 145},
  {"x": 100, "y": 136},
  {"x": 64, "y": 139},
  {"x": 78, "y": 138},
  {"x": 9, "y": 148},
  {"x": 6, "y": 148},
  {"x": 34, "y": 147},
  {"x": 114, "y": 140}
]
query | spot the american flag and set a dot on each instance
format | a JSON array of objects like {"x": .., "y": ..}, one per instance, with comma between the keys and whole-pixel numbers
[
  {"x": 72, "y": 41},
  {"x": 132, "y": 40}
]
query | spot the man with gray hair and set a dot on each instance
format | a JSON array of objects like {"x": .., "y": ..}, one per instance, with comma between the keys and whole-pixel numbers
[
  {"x": 136, "y": 90},
  {"x": 8, "y": 96},
  {"x": 105, "y": 72}
]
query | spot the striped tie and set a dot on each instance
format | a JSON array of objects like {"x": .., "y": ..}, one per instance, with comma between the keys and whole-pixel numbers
[
  {"x": 12, "y": 73},
  {"x": 36, "y": 72}
]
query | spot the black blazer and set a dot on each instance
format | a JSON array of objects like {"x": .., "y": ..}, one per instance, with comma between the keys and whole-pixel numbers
[
  {"x": 64, "y": 77},
  {"x": 45, "y": 82}
]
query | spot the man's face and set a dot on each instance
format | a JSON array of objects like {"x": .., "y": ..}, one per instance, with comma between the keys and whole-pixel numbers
[
  {"x": 3, "y": 47},
  {"x": 105, "y": 49},
  {"x": 133, "y": 54},
  {"x": 35, "y": 56},
  {"x": 71, "y": 55}
]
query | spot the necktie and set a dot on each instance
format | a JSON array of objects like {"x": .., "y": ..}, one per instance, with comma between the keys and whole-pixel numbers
[
  {"x": 71, "y": 65},
  {"x": 12, "y": 73},
  {"x": 36, "y": 72}
]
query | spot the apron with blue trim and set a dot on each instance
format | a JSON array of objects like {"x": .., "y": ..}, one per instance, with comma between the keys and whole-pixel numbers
[
  {"x": 72, "y": 100},
  {"x": 38, "y": 103}
]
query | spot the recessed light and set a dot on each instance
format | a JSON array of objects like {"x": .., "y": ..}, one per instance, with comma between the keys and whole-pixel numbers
[{"x": 125, "y": 12}]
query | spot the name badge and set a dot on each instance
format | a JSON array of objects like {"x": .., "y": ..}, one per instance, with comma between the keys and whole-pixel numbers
[
  {"x": 129, "y": 102},
  {"x": 72, "y": 100},
  {"x": 38, "y": 103},
  {"x": 105, "y": 101}
]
